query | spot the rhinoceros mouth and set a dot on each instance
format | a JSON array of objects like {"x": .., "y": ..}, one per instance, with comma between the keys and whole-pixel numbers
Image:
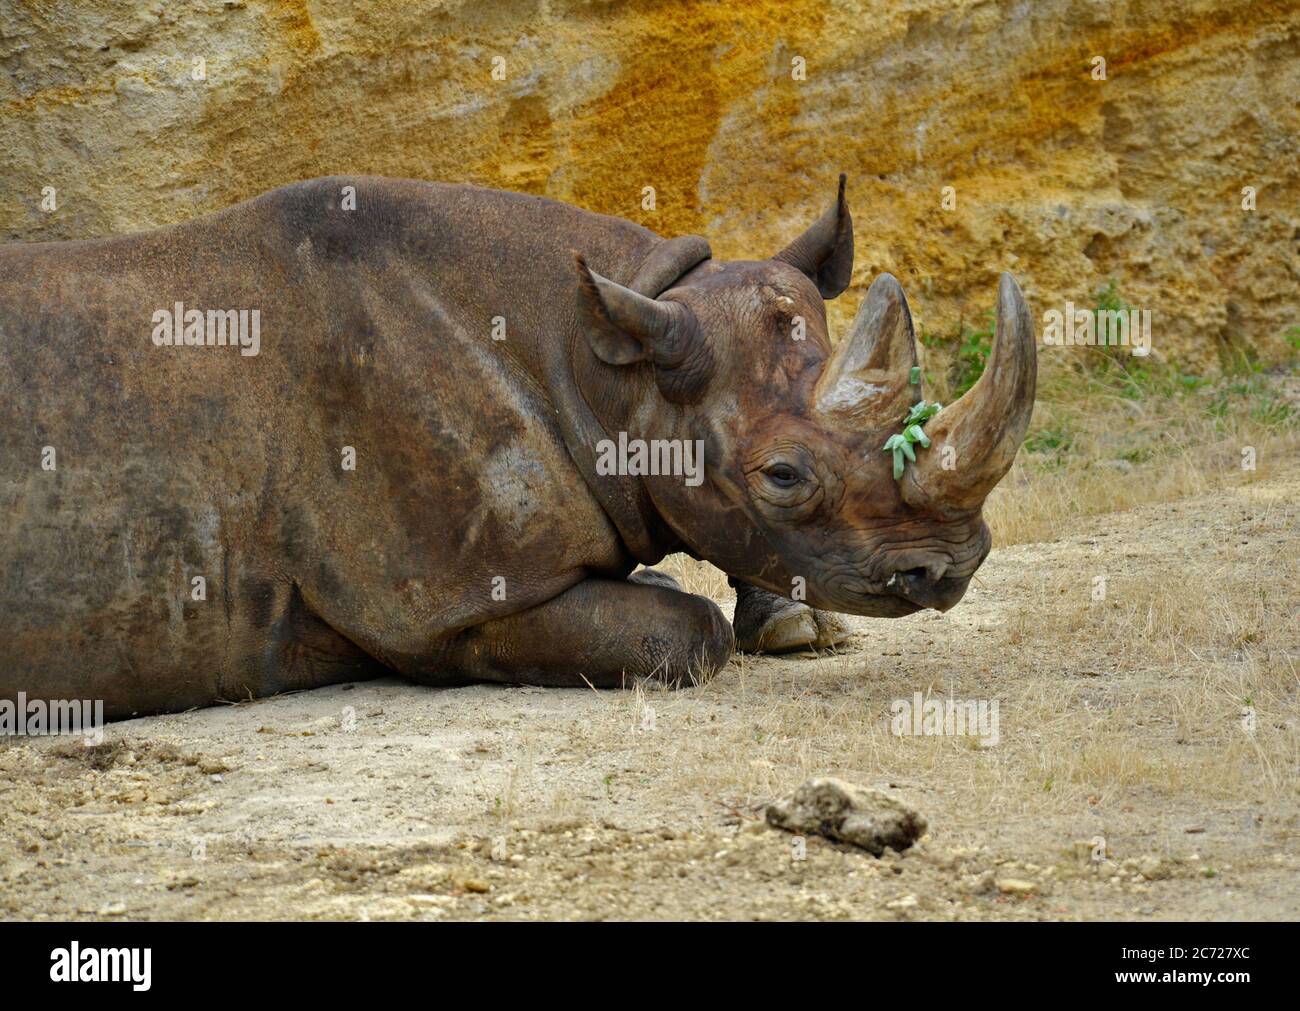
[
  {"x": 940, "y": 596},
  {"x": 884, "y": 605},
  {"x": 905, "y": 593},
  {"x": 870, "y": 604}
]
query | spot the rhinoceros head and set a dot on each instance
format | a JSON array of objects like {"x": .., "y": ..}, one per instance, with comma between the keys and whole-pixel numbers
[{"x": 800, "y": 493}]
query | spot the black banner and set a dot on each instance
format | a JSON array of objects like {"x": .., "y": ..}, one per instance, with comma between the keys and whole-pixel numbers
[{"x": 934, "y": 962}]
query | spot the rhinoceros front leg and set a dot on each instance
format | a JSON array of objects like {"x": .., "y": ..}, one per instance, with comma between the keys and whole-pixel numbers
[
  {"x": 767, "y": 623},
  {"x": 601, "y": 632}
]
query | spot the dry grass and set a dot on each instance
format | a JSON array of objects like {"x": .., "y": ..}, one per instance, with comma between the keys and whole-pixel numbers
[
  {"x": 1106, "y": 444},
  {"x": 698, "y": 577}
]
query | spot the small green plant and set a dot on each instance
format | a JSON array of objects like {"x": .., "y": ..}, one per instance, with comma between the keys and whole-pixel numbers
[
  {"x": 1241, "y": 361},
  {"x": 901, "y": 443},
  {"x": 1133, "y": 376},
  {"x": 1266, "y": 406},
  {"x": 1107, "y": 300},
  {"x": 1049, "y": 440},
  {"x": 1139, "y": 454},
  {"x": 973, "y": 354},
  {"x": 966, "y": 353},
  {"x": 922, "y": 412}
]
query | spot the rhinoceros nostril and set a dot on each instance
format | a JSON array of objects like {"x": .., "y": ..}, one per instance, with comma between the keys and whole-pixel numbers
[{"x": 920, "y": 573}]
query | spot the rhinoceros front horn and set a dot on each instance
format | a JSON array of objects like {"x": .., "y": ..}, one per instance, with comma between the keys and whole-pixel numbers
[
  {"x": 624, "y": 327},
  {"x": 973, "y": 442}
]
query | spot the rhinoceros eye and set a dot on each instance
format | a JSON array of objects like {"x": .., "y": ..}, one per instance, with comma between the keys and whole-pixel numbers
[{"x": 782, "y": 475}]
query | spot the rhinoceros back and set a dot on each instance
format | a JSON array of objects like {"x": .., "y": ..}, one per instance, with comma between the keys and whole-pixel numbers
[{"x": 198, "y": 519}]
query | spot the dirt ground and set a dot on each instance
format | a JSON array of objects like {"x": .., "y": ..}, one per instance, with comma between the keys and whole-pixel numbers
[{"x": 1146, "y": 767}]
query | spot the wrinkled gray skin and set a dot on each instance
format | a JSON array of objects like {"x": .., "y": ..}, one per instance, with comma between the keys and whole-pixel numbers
[{"x": 474, "y": 539}]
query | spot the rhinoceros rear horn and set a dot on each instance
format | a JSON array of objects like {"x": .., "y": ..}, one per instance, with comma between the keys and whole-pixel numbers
[
  {"x": 624, "y": 328},
  {"x": 867, "y": 379},
  {"x": 974, "y": 441},
  {"x": 825, "y": 251}
]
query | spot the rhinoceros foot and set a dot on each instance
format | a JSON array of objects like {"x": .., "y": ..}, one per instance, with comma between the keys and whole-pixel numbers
[{"x": 767, "y": 623}]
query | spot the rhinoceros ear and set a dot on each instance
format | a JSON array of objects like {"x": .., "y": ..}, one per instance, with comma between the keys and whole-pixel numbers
[
  {"x": 668, "y": 262},
  {"x": 624, "y": 328},
  {"x": 825, "y": 251}
]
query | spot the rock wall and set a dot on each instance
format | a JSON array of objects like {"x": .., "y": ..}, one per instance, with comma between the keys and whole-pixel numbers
[{"x": 1065, "y": 179}]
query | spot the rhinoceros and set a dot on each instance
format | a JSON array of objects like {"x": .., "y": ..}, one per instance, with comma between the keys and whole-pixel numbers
[{"x": 363, "y": 425}]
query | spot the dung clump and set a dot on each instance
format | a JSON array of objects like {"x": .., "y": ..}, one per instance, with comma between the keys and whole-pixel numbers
[{"x": 848, "y": 813}]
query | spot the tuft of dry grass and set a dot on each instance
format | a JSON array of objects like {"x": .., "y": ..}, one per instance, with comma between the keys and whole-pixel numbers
[
  {"x": 1106, "y": 443},
  {"x": 698, "y": 577}
]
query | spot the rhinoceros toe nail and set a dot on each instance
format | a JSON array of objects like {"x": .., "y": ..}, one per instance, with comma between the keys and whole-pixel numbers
[
  {"x": 793, "y": 628},
  {"x": 832, "y": 630}
]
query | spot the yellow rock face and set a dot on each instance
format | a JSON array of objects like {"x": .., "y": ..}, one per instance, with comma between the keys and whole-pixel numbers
[{"x": 738, "y": 114}]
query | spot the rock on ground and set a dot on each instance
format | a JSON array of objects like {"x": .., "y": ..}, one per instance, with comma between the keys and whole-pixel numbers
[{"x": 848, "y": 813}]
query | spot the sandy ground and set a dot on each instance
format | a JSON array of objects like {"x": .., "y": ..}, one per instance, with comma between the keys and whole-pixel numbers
[{"x": 1125, "y": 783}]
